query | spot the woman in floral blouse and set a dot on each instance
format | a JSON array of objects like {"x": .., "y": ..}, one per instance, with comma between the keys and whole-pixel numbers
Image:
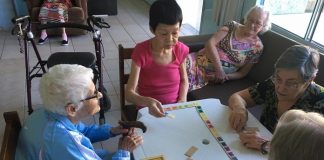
[
  {"x": 54, "y": 11},
  {"x": 290, "y": 87},
  {"x": 230, "y": 52}
]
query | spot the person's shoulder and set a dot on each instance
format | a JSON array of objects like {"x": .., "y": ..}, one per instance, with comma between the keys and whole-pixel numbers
[
  {"x": 227, "y": 27},
  {"x": 143, "y": 44},
  {"x": 316, "y": 94},
  {"x": 181, "y": 50},
  {"x": 37, "y": 115},
  {"x": 232, "y": 24},
  {"x": 141, "y": 49},
  {"x": 181, "y": 45}
]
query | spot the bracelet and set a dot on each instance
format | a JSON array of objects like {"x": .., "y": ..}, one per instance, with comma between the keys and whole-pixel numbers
[{"x": 263, "y": 147}]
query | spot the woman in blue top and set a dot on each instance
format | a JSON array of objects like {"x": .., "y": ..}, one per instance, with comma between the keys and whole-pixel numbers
[{"x": 55, "y": 131}]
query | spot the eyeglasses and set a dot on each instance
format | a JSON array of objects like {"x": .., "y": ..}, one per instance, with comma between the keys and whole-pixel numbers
[
  {"x": 288, "y": 84},
  {"x": 255, "y": 22},
  {"x": 97, "y": 95}
]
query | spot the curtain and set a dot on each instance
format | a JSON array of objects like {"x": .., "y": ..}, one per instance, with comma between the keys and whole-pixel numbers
[{"x": 227, "y": 10}]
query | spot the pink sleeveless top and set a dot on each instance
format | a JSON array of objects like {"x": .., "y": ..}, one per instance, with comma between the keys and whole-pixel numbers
[{"x": 161, "y": 82}]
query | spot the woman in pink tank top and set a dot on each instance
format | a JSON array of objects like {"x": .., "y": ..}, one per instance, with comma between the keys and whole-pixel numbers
[{"x": 158, "y": 72}]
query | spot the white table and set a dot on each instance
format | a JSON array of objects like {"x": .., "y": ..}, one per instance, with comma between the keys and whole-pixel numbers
[{"x": 173, "y": 137}]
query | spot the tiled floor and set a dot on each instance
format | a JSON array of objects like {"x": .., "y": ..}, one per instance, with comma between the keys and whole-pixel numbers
[{"x": 129, "y": 27}]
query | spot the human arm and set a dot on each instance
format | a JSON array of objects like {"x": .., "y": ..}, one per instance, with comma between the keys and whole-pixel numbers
[
  {"x": 184, "y": 84},
  {"x": 238, "y": 102},
  {"x": 212, "y": 54},
  {"x": 99, "y": 133},
  {"x": 154, "y": 106}
]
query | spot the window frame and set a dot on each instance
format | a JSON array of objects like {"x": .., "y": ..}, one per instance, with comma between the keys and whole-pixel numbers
[{"x": 310, "y": 31}]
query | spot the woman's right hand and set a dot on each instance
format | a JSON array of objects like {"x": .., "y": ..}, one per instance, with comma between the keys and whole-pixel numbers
[
  {"x": 220, "y": 76},
  {"x": 238, "y": 118},
  {"x": 155, "y": 107}
]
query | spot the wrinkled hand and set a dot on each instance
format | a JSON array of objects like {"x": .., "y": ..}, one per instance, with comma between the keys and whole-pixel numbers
[
  {"x": 155, "y": 107},
  {"x": 118, "y": 130},
  {"x": 219, "y": 77},
  {"x": 238, "y": 118},
  {"x": 251, "y": 139},
  {"x": 130, "y": 142}
]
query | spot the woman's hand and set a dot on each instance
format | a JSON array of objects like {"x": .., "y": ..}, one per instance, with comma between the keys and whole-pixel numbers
[
  {"x": 130, "y": 142},
  {"x": 251, "y": 139},
  {"x": 219, "y": 77},
  {"x": 155, "y": 107},
  {"x": 238, "y": 118},
  {"x": 118, "y": 130}
]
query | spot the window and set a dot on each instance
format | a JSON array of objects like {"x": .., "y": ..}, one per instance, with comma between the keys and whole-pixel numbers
[{"x": 300, "y": 18}]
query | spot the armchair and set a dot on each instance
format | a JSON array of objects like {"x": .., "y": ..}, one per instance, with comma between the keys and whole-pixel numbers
[{"x": 78, "y": 13}]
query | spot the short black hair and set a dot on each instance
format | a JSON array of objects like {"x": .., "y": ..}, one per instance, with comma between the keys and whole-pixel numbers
[{"x": 166, "y": 12}]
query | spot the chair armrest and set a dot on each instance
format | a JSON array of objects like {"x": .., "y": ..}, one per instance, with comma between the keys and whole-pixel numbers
[{"x": 84, "y": 5}]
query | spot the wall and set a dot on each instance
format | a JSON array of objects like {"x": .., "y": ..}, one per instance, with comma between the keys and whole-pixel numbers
[
  {"x": 208, "y": 25},
  {"x": 191, "y": 10},
  {"x": 150, "y": 1},
  {"x": 7, "y": 12}
]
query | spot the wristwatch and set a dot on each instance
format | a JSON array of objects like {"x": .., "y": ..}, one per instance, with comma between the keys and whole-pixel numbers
[{"x": 265, "y": 147}]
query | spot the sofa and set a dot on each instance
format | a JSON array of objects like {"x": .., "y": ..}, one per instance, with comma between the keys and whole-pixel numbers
[
  {"x": 78, "y": 13},
  {"x": 274, "y": 45}
]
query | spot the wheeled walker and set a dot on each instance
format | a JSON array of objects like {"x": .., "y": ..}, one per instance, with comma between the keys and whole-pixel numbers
[{"x": 25, "y": 37}]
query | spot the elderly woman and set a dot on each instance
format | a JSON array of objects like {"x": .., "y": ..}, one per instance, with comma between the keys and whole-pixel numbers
[
  {"x": 231, "y": 52},
  {"x": 55, "y": 11},
  {"x": 55, "y": 131},
  {"x": 308, "y": 128},
  {"x": 290, "y": 87}
]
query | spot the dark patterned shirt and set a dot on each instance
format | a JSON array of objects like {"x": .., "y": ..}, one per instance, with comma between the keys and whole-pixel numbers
[{"x": 264, "y": 93}]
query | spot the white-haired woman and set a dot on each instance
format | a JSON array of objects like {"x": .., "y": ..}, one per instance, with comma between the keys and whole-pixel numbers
[
  {"x": 290, "y": 87},
  {"x": 231, "y": 52},
  {"x": 299, "y": 135},
  {"x": 56, "y": 131}
]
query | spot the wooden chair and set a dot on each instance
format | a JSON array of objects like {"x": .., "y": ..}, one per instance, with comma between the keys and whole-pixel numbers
[
  {"x": 10, "y": 137},
  {"x": 128, "y": 111}
]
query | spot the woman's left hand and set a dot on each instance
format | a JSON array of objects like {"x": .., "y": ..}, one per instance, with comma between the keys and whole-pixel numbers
[
  {"x": 251, "y": 139},
  {"x": 130, "y": 142},
  {"x": 118, "y": 130}
]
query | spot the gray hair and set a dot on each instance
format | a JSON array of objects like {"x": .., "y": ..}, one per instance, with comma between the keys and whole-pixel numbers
[
  {"x": 65, "y": 84},
  {"x": 298, "y": 135},
  {"x": 302, "y": 58},
  {"x": 267, "y": 20}
]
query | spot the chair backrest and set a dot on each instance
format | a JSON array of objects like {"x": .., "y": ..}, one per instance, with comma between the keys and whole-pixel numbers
[
  {"x": 128, "y": 112},
  {"x": 10, "y": 137}
]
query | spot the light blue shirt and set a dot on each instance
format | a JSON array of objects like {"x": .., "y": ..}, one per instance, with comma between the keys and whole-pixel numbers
[{"x": 47, "y": 135}]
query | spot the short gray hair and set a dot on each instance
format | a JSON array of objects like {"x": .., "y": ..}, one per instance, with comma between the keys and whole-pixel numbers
[
  {"x": 266, "y": 23},
  {"x": 298, "y": 135},
  {"x": 302, "y": 58},
  {"x": 65, "y": 84}
]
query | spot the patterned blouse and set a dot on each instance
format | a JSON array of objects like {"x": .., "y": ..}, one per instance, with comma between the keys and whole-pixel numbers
[
  {"x": 233, "y": 55},
  {"x": 238, "y": 53},
  {"x": 264, "y": 93}
]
